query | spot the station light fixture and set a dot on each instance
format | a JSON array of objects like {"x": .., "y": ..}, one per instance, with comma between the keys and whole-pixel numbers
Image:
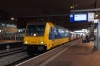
[
  {"x": 19, "y": 30},
  {"x": 73, "y": 6},
  {"x": 12, "y": 18},
  {"x": 96, "y": 15}
]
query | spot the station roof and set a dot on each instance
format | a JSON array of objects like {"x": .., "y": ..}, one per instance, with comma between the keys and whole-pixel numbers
[{"x": 37, "y": 8}]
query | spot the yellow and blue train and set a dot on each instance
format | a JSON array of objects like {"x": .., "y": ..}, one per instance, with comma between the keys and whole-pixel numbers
[{"x": 44, "y": 36}]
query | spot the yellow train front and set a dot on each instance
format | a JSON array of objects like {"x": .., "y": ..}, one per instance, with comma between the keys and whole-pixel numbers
[{"x": 44, "y": 36}]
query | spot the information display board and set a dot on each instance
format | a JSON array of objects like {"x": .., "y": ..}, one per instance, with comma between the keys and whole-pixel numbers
[
  {"x": 78, "y": 17},
  {"x": 82, "y": 17}
]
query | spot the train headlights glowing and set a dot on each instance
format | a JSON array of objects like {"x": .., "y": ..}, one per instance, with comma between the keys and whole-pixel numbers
[
  {"x": 41, "y": 42},
  {"x": 26, "y": 42},
  {"x": 34, "y": 34}
]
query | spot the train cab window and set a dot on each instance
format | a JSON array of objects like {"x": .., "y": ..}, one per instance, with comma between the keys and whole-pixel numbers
[{"x": 35, "y": 29}]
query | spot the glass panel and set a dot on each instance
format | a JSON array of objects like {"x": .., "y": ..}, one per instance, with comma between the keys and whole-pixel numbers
[{"x": 37, "y": 30}]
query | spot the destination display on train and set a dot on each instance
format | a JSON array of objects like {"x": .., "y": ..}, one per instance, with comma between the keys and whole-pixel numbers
[{"x": 85, "y": 17}]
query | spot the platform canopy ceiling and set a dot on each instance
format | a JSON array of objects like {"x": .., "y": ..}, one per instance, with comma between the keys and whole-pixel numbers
[{"x": 22, "y": 8}]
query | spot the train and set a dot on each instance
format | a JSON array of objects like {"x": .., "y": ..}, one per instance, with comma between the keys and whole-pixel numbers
[
  {"x": 41, "y": 37},
  {"x": 74, "y": 35}
]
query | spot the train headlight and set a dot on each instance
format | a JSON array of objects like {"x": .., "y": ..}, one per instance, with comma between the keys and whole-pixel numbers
[
  {"x": 41, "y": 42},
  {"x": 26, "y": 42},
  {"x": 34, "y": 34}
]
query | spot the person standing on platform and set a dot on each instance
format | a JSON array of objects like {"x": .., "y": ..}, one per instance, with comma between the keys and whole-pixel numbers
[
  {"x": 87, "y": 38},
  {"x": 83, "y": 38}
]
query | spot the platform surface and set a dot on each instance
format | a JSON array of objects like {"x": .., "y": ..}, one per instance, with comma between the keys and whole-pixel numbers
[{"x": 75, "y": 53}]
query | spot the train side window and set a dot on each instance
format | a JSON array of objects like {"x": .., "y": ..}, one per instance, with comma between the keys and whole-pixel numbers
[
  {"x": 55, "y": 32},
  {"x": 62, "y": 33},
  {"x": 67, "y": 33}
]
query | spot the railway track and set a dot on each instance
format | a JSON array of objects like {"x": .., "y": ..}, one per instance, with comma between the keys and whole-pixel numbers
[
  {"x": 6, "y": 53},
  {"x": 10, "y": 56}
]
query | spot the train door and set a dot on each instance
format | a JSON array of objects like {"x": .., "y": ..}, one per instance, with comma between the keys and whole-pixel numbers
[{"x": 51, "y": 36}]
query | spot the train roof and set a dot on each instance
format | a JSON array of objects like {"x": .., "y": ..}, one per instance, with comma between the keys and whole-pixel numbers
[
  {"x": 61, "y": 27},
  {"x": 37, "y": 23},
  {"x": 43, "y": 23}
]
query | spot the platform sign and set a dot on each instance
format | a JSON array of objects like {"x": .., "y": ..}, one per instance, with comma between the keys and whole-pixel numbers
[
  {"x": 71, "y": 18},
  {"x": 79, "y": 17},
  {"x": 90, "y": 17},
  {"x": 82, "y": 17}
]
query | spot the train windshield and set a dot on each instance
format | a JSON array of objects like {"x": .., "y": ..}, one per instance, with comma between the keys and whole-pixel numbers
[{"x": 35, "y": 30}]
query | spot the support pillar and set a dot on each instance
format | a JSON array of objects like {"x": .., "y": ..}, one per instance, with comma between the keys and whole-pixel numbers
[{"x": 98, "y": 36}]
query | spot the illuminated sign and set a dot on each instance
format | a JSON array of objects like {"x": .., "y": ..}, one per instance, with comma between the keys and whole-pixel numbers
[
  {"x": 78, "y": 18},
  {"x": 82, "y": 17}
]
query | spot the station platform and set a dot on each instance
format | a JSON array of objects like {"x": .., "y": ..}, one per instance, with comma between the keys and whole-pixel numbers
[
  {"x": 11, "y": 43},
  {"x": 74, "y": 53}
]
